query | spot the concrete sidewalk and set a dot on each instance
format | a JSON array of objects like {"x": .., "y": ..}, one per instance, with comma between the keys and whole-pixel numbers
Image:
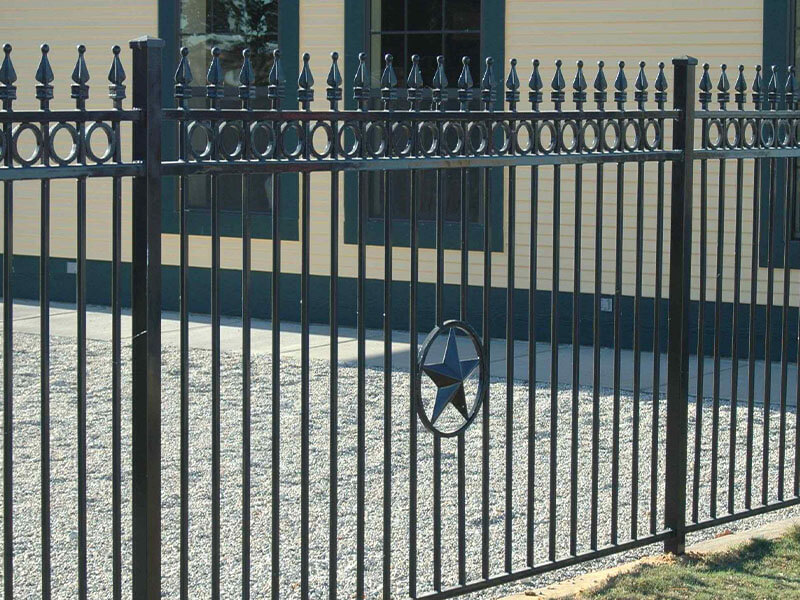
[{"x": 63, "y": 322}]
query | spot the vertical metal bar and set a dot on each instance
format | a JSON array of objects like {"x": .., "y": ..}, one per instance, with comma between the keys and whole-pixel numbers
[
  {"x": 737, "y": 277},
  {"x": 413, "y": 326},
  {"x": 534, "y": 241},
  {"x": 751, "y": 366},
  {"x": 598, "y": 291},
  {"x": 215, "y": 384},
  {"x": 146, "y": 311},
  {"x": 554, "y": 361},
  {"x": 637, "y": 350},
  {"x": 701, "y": 311},
  {"x": 576, "y": 353},
  {"x": 116, "y": 373},
  {"x": 361, "y": 388},
  {"x": 387, "y": 374},
  {"x": 305, "y": 402},
  {"x": 773, "y": 168},
  {"x": 655, "y": 425},
  {"x": 464, "y": 289},
  {"x": 509, "y": 444},
  {"x": 246, "y": 366},
  {"x": 333, "y": 307},
  {"x": 787, "y": 233},
  {"x": 487, "y": 338},
  {"x": 717, "y": 335},
  {"x": 679, "y": 294},
  {"x": 617, "y": 353}
]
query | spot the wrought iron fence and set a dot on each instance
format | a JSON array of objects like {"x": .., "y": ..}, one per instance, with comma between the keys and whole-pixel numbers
[{"x": 422, "y": 417}]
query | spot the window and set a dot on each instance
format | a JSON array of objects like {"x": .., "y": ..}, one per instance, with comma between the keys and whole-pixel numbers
[{"x": 451, "y": 28}]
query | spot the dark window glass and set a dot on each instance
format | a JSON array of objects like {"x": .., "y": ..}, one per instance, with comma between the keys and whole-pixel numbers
[{"x": 428, "y": 28}]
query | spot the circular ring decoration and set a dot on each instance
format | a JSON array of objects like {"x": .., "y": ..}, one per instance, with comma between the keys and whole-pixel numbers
[
  {"x": 572, "y": 126},
  {"x": 269, "y": 145},
  {"x": 505, "y": 129},
  {"x": 456, "y": 128},
  {"x": 593, "y": 125},
  {"x": 228, "y": 153},
  {"x": 733, "y": 127},
  {"x": 37, "y": 151},
  {"x": 448, "y": 375},
  {"x": 483, "y": 137},
  {"x": 749, "y": 133},
  {"x": 402, "y": 140},
  {"x": 652, "y": 125},
  {"x": 297, "y": 127},
  {"x": 716, "y": 142},
  {"x": 208, "y": 132},
  {"x": 349, "y": 129},
  {"x": 379, "y": 149},
  {"x": 614, "y": 127},
  {"x": 433, "y": 131},
  {"x": 110, "y": 141},
  {"x": 73, "y": 152},
  {"x": 767, "y": 134},
  {"x": 551, "y": 129},
  {"x": 784, "y": 133},
  {"x": 326, "y": 151},
  {"x": 637, "y": 135},
  {"x": 530, "y": 146}
]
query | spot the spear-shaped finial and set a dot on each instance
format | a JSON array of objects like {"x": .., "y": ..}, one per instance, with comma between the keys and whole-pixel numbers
[
  {"x": 640, "y": 85},
  {"x": 772, "y": 89},
  {"x": 535, "y": 84},
  {"x": 621, "y": 85},
  {"x": 8, "y": 91},
  {"x": 414, "y": 83},
  {"x": 790, "y": 90},
  {"x": 661, "y": 86},
  {"x": 465, "y": 84},
  {"x": 723, "y": 87},
  {"x": 183, "y": 79},
  {"x": 741, "y": 89},
  {"x": 361, "y": 82},
  {"x": 439, "y": 84},
  {"x": 215, "y": 89},
  {"x": 579, "y": 86},
  {"x": 247, "y": 80},
  {"x": 705, "y": 88},
  {"x": 758, "y": 88},
  {"x": 558, "y": 84},
  {"x": 305, "y": 84},
  {"x": 276, "y": 80},
  {"x": 44, "y": 78},
  {"x": 388, "y": 83},
  {"x": 116, "y": 76},
  {"x": 512, "y": 85},
  {"x": 334, "y": 91},
  {"x": 80, "y": 75},
  {"x": 488, "y": 85},
  {"x": 600, "y": 86}
]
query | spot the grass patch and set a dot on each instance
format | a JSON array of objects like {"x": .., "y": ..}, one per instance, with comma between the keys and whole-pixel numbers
[{"x": 757, "y": 570}]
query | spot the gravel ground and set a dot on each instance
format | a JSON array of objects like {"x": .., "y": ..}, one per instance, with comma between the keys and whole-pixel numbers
[{"x": 64, "y": 477}]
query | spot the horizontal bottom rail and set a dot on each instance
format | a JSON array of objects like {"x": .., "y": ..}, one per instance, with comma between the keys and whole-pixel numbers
[
  {"x": 483, "y": 584},
  {"x": 752, "y": 512}
]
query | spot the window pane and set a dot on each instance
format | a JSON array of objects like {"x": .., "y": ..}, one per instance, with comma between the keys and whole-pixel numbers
[
  {"x": 428, "y": 46},
  {"x": 391, "y": 18},
  {"x": 393, "y": 44},
  {"x": 463, "y": 14},
  {"x": 424, "y": 15},
  {"x": 458, "y": 45}
]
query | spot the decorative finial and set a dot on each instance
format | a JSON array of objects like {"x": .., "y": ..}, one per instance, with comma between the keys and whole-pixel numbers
[
  {"x": 579, "y": 86},
  {"x": 183, "y": 79},
  {"x": 276, "y": 80},
  {"x": 388, "y": 83},
  {"x": 247, "y": 80},
  {"x": 558, "y": 84},
  {"x": 535, "y": 84},
  {"x": 80, "y": 75},
  {"x": 790, "y": 90},
  {"x": 8, "y": 91},
  {"x": 488, "y": 84},
  {"x": 215, "y": 89},
  {"x": 723, "y": 87},
  {"x": 44, "y": 77},
  {"x": 334, "y": 91},
  {"x": 439, "y": 84},
  {"x": 741, "y": 89},
  {"x": 465, "y": 84},
  {"x": 414, "y": 83},
  {"x": 600, "y": 86},
  {"x": 305, "y": 84},
  {"x": 661, "y": 86},
  {"x": 512, "y": 85},
  {"x": 621, "y": 85},
  {"x": 772, "y": 89},
  {"x": 705, "y": 88},
  {"x": 361, "y": 82},
  {"x": 640, "y": 85},
  {"x": 758, "y": 88},
  {"x": 116, "y": 75}
]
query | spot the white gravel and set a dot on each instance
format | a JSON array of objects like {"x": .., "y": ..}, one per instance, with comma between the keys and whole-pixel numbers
[{"x": 64, "y": 477}]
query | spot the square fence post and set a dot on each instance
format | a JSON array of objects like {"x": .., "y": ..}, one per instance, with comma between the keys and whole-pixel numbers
[
  {"x": 680, "y": 263},
  {"x": 146, "y": 313}
]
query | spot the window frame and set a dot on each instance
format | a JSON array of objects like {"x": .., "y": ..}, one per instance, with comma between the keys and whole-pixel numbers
[{"x": 198, "y": 219}]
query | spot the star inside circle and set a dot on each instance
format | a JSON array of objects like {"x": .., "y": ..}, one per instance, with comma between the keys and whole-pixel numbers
[{"x": 449, "y": 376}]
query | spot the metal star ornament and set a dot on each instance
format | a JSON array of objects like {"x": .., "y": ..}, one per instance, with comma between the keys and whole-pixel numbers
[{"x": 449, "y": 376}]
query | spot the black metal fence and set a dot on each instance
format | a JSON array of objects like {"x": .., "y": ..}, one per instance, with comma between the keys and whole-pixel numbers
[{"x": 533, "y": 511}]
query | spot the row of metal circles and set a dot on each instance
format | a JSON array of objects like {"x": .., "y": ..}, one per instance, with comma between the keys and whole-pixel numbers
[
  {"x": 76, "y": 137},
  {"x": 231, "y": 140},
  {"x": 735, "y": 133}
]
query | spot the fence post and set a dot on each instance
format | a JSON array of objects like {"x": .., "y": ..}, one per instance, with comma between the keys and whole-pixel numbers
[
  {"x": 146, "y": 312},
  {"x": 680, "y": 271}
]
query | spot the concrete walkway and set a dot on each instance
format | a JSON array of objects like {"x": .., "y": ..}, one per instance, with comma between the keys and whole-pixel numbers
[{"x": 63, "y": 322}]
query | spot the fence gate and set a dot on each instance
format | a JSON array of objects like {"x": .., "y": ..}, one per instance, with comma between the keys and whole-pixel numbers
[{"x": 436, "y": 434}]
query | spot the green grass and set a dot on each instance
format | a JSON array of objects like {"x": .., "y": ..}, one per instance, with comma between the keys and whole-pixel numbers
[{"x": 758, "y": 570}]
